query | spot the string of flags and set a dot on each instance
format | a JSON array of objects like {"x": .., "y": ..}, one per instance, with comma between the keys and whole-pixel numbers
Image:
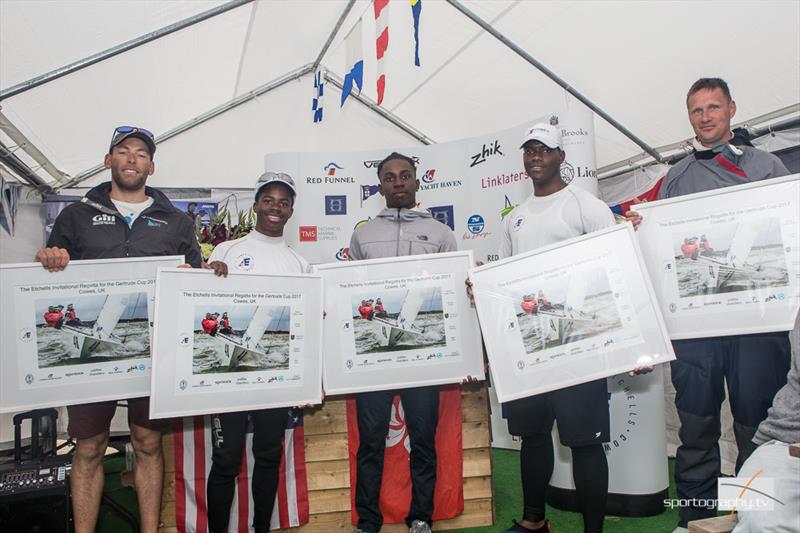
[
  {"x": 354, "y": 54},
  {"x": 381, "y": 42},
  {"x": 319, "y": 94},
  {"x": 416, "y": 11}
]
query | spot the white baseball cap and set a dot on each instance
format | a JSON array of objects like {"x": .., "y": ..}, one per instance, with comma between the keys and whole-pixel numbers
[
  {"x": 546, "y": 134},
  {"x": 268, "y": 178}
]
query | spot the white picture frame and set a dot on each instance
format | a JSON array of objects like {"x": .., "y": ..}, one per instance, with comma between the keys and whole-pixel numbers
[
  {"x": 704, "y": 287},
  {"x": 595, "y": 316},
  {"x": 103, "y": 356},
  {"x": 441, "y": 345},
  {"x": 271, "y": 358}
]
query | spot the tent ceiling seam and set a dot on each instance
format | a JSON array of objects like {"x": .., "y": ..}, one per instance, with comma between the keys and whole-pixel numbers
[
  {"x": 554, "y": 77},
  {"x": 208, "y": 115},
  {"x": 454, "y": 56},
  {"x": 387, "y": 115},
  {"x": 332, "y": 35},
  {"x": 244, "y": 49}
]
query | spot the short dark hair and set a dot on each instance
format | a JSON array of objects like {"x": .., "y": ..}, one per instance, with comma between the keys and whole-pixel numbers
[
  {"x": 190, "y": 204},
  {"x": 710, "y": 84},
  {"x": 395, "y": 155}
]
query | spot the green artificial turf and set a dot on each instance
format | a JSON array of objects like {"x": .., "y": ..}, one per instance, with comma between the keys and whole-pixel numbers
[{"x": 507, "y": 494}]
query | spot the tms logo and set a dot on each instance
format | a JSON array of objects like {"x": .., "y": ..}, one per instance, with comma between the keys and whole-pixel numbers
[
  {"x": 428, "y": 177},
  {"x": 104, "y": 220},
  {"x": 331, "y": 168},
  {"x": 486, "y": 152},
  {"x": 343, "y": 254},
  {"x": 475, "y": 224},
  {"x": 444, "y": 214},
  {"x": 368, "y": 191},
  {"x": 336, "y": 205},
  {"x": 308, "y": 234}
]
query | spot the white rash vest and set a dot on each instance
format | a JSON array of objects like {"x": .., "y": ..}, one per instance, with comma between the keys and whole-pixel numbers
[
  {"x": 544, "y": 220},
  {"x": 260, "y": 254}
]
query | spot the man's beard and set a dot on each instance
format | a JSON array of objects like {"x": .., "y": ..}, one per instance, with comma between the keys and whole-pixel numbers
[{"x": 128, "y": 185}]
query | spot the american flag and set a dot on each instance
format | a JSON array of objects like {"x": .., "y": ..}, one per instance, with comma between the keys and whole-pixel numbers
[{"x": 193, "y": 446}]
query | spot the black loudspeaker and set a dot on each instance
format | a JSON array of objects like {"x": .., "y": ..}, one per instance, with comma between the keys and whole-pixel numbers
[{"x": 34, "y": 487}]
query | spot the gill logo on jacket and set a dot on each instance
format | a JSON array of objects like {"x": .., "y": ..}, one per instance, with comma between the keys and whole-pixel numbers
[{"x": 104, "y": 220}]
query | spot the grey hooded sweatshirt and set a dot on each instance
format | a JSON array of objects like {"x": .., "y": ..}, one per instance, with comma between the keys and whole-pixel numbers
[{"x": 398, "y": 232}]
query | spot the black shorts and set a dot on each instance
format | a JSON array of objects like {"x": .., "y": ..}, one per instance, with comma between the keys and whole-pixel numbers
[
  {"x": 90, "y": 419},
  {"x": 581, "y": 411}
]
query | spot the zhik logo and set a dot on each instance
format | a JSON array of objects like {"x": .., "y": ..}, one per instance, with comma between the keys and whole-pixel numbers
[{"x": 486, "y": 151}]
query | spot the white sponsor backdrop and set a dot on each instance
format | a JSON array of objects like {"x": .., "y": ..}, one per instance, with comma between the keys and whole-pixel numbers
[{"x": 468, "y": 184}]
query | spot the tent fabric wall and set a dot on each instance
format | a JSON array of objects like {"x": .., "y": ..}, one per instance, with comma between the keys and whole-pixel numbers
[{"x": 616, "y": 53}]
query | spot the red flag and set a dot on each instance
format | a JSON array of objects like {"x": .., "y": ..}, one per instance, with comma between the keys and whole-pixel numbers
[
  {"x": 193, "y": 445},
  {"x": 381, "y": 9},
  {"x": 396, "y": 487}
]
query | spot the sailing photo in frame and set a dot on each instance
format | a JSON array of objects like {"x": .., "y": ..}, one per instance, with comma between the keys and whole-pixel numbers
[
  {"x": 79, "y": 335},
  {"x": 726, "y": 261}
]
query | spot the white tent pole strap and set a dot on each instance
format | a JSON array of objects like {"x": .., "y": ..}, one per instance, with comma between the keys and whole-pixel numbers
[
  {"x": 118, "y": 49},
  {"x": 208, "y": 115},
  {"x": 391, "y": 117},
  {"x": 29, "y": 148},
  {"x": 553, "y": 76},
  {"x": 336, "y": 28},
  {"x": 247, "y": 35}
]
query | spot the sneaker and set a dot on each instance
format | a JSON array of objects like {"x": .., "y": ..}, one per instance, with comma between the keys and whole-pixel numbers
[
  {"x": 519, "y": 528},
  {"x": 680, "y": 529},
  {"x": 419, "y": 526},
  {"x": 359, "y": 531}
]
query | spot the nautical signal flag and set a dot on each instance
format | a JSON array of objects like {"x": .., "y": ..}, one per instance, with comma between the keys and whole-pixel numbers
[
  {"x": 319, "y": 90},
  {"x": 355, "y": 62},
  {"x": 381, "y": 42},
  {"x": 416, "y": 10}
]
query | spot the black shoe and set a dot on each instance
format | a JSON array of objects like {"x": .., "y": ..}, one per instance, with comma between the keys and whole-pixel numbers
[{"x": 519, "y": 528}]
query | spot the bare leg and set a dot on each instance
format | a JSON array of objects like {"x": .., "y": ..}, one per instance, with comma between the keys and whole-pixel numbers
[
  {"x": 148, "y": 475},
  {"x": 86, "y": 481}
]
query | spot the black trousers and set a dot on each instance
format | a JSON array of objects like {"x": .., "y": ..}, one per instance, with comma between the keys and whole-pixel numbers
[
  {"x": 754, "y": 368},
  {"x": 421, "y": 408},
  {"x": 269, "y": 426}
]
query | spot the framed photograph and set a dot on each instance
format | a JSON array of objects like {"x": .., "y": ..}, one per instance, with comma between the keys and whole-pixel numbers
[
  {"x": 569, "y": 313},
  {"x": 248, "y": 341},
  {"x": 77, "y": 336},
  {"x": 727, "y": 261},
  {"x": 399, "y": 322}
]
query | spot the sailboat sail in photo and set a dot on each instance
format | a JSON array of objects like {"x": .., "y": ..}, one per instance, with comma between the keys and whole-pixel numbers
[
  {"x": 245, "y": 350},
  {"x": 102, "y": 330}
]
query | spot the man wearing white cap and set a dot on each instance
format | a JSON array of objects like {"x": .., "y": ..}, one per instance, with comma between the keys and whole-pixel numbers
[
  {"x": 553, "y": 213},
  {"x": 263, "y": 251}
]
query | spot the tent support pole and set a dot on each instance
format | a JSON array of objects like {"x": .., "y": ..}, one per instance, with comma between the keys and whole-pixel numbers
[
  {"x": 336, "y": 28},
  {"x": 208, "y": 115},
  {"x": 29, "y": 148},
  {"x": 21, "y": 169},
  {"x": 118, "y": 49},
  {"x": 391, "y": 117},
  {"x": 553, "y": 76}
]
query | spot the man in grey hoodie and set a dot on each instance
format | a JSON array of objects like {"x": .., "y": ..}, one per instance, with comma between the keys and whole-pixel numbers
[
  {"x": 772, "y": 460},
  {"x": 399, "y": 230}
]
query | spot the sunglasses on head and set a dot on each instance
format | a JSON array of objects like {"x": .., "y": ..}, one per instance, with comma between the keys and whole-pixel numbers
[{"x": 132, "y": 129}]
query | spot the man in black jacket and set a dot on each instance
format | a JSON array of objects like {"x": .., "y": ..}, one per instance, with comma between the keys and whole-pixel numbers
[{"x": 120, "y": 218}]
